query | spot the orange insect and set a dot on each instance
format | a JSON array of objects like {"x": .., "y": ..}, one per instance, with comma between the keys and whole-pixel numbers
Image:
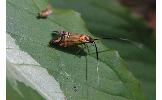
[
  {"x": 45, "y": 12},
  {"x": 66, "y": 39}
]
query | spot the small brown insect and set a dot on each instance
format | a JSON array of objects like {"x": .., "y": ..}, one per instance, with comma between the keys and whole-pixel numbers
[
  {"x": 45, "y": 12},
  {"x": 66, "y": 39}
]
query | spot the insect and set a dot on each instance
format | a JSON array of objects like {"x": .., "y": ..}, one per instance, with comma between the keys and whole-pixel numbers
[
  {"x": 45, "y": 12},
  {"x": 66, "y": 39}
]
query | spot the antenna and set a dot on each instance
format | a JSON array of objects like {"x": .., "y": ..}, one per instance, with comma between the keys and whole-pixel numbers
[{"x": 123, "y": 40}]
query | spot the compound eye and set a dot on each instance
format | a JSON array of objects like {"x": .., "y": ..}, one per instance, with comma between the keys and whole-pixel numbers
[{"x": 86, "y": 39}]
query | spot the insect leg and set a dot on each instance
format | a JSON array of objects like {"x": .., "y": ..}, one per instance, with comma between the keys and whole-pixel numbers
[
  {"x": 54, "y": 33},
  {"x": 98, "y": 77},
  {"x": 86, "y": 46},
  {"x": 62, "y": 38},
  {"x": 83, "y": 46},
  {"x": 79, "y": 50},
  {"x": 96, "y": 50}
]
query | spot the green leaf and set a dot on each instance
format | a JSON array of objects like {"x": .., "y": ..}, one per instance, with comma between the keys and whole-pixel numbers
[
  {"x": 107, "y": 18},
  {"x": 29, "y": 93},
  {"x": 22, "y": 70},
  {"x": 112, "y": 81}
]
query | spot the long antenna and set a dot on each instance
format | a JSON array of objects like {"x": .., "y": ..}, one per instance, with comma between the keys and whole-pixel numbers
[{"x": 123, "y": 40}]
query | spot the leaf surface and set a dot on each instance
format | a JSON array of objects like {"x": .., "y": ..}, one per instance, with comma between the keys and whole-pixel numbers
[
  {"x": 108, "y": 18},
  {"x": 112, "y": 81}
]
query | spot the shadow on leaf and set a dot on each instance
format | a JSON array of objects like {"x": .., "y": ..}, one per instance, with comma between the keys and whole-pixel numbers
[{"x": 74, "y": 50}]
